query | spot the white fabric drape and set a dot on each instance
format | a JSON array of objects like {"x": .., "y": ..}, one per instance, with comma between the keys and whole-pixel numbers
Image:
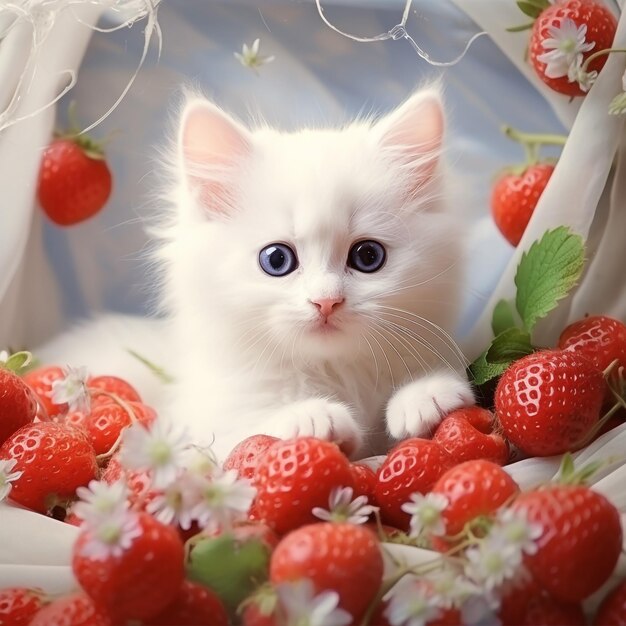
[{"x": 45, "y": 74}]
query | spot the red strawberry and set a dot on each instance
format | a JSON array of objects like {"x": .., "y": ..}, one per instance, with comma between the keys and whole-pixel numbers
[
  {"x": 600, "y": 25},
  {"x": 73, "y": 610},
  {"x": 195, "y": 605},
  {"x": 548, "y": 402},
  {"x": 40, "y": 381},
  {"x": 111, "y": 384},
  {"x": 18, "y": 405},
  {"x": 412, "y": 466},
  {"x": 253, "y": 615},
  {"x": 514, "y": 198},
  {"x": 18, "y": 605},
  {"x": 365, "y": 481},
  {"x": 544, "y": 610},
  {"x": 249, "y": 531},
  {"x": 72, "y": 519},
  {"x": 598, "y": 338},
  {"x": 516, "y": 596},
  {"x": 55, "y": 459},
  {"x": 140, "y": 582},
  {"x": 137, "y": 481},
  {"x": 245, "y": 531},
  {"x": 105, "y": 423},
  {"x": 343, "y": 557},
  {"x": 581, "y": 533},
  {"x": 296, "y": 475},
  {"x": 245, "y": 456},
  {"x": 612, "y": 611},
  {"x": 469, "y": 434},
  {"x": 260, "y": 609},
  {"x": 473, "y": 489},
  {"x": 74, "y": 181},
  {"x": 526, "y": 604}
]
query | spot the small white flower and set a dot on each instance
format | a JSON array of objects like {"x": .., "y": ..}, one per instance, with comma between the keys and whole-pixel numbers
[
  {"x": 302, "y": 608},
  {"x": 7, "y": 477},
  {"x": 224, "y": 498},
  {"x": 566, "y": 42},
  {"x": 513, "y": 528},
  {"x": 492, "y": 562},
  {"x": 576, "y": 74},
  {"x": 451, "y": 587},
  {"x": 72, "y": 390},
  {"x": 411, "y": 603},
  {"x": 250, "y": 57},
  {"x": 159, "y": 449},
  {"x": 425, "y": 512},
  {"x": 100, "y": 501},
  {"x": 177, "y": 502},
  {"x": 481, "y": 610},
  {"x": 4, "y": 356},
  {"x": 341, "y": 507},
  {"x": 112, "y": 535}
]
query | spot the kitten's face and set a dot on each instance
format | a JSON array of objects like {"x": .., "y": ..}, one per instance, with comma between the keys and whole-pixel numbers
[{"x": 324, "y": 243}]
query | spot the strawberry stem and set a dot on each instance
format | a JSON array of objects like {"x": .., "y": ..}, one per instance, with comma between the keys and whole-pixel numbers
[
  {"x": 92, "y": 148},
  {"x": 598, "y": 54},
  {"x": 606, "y": 372},
  {"x": 390, "y": 583},
  {"x": 72, "y": 118},
  {"x": 601, "y": 422},
  {"x": 382, "y": 536},
  {"x": 130, "y": 412},
  {"x": 520, "y": 28},
  {"x": 157, "y": 370},
  {"x": 536, "y": 139}
]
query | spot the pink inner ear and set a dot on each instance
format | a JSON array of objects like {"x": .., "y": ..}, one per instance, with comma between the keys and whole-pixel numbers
[
  {"x": 416, "y": 130},
  {"x": 212, "y": 144}
]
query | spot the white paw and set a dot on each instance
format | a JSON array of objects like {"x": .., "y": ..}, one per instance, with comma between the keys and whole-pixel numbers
[
  {"x": 417, "y": 408},
  {"x": 316, "y": 417}
]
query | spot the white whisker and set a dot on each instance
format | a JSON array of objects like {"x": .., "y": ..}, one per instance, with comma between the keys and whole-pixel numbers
[{"x": 385, "y": 357}]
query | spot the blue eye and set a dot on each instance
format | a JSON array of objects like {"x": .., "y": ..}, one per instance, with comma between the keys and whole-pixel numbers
[
  {"x": 278, "y": 259},
  {"x": 367, "y": 256}
]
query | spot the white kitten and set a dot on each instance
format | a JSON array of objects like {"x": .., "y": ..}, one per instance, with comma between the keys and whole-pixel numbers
[{"x": 311, "y": 279}]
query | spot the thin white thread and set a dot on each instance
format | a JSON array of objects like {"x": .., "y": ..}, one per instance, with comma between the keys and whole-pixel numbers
[
  {"x": 399, "y": 32},
  {"x": 42, "y": 17}
]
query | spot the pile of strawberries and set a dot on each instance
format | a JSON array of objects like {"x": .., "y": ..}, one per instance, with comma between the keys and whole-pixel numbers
[{"x": 292, "y": 532}]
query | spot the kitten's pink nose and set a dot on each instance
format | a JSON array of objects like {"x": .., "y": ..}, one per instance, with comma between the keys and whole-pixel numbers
[{"x": 327, "y": 306}]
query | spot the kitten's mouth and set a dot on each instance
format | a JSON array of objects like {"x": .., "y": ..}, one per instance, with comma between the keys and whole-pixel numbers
[{"x": 325, "y": 326}]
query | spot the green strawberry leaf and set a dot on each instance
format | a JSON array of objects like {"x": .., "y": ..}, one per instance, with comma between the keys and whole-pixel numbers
[
  {"x": 529, "y": 8},
  {"x": 503, "y": 318},
  {"x": 232, "y": 569},
  {"x": 157, "y": 370},
  {"x": 520, "y": 28},
  {"x": 547, "y": 273},
  {"x": 568, "y": 474},
  {"x": 18, "y": 361},
  {"x": 510, "y": 345},
  {"x": 481, "y": 371},
  {"x": 567, "y": 469}
]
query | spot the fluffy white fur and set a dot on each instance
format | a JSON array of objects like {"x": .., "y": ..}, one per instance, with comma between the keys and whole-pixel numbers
[{"x": 250, "y": 351}]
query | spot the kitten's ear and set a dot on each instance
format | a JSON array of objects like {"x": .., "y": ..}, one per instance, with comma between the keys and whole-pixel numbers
[
  {"x": 212, "y": 148},
  {"x": 414, "y": 132}
]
